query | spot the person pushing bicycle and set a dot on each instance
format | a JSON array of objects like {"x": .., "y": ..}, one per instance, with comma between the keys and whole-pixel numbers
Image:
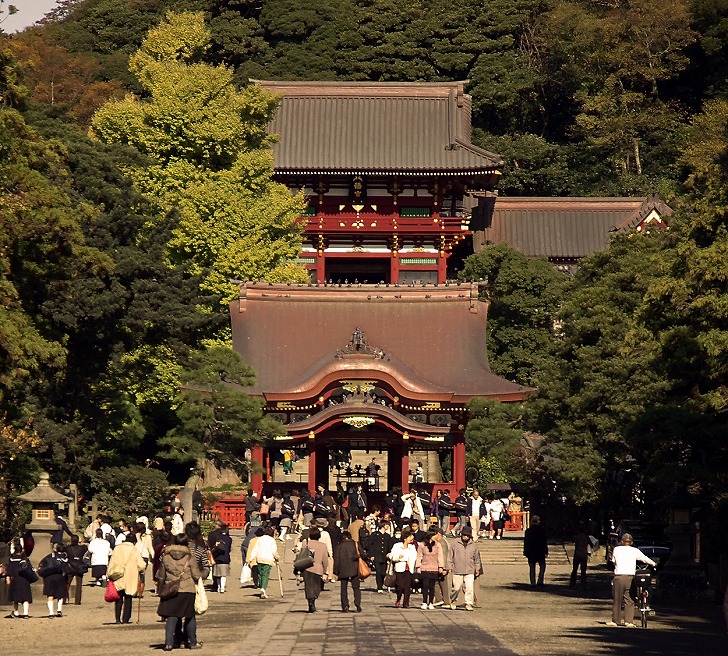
[{"x": 625, "y": 558}]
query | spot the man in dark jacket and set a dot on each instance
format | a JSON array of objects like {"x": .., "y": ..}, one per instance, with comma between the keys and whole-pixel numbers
[
  {"x": 444, "y": 506},
  {"x": 536, "y": 548},
  {"x": 321, "y": 509},
  {"x": 380, "y": 544},
  {"x": 460, "y": 506},
  {"x": 357, "y": 505}
]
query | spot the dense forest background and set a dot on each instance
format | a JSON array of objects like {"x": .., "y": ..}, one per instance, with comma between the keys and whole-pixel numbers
[{"x": 113, "y": 292}]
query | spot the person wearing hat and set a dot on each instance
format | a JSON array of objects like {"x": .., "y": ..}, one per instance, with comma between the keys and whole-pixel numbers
[
  {"x": 465, "y": 565},
  {"x": 625, "y": 558}
]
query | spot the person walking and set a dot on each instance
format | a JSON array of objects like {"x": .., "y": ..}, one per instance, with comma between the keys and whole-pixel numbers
[
  {"x": 430, "y": 565},
  {"x": 346, "y": 569},
  {"x": 582, "y": 549},
  {"x": 444, "y": 506},
  {"x": 19, "y": 589},
  {"x": 178, "y": 568},
  {"x": 53, "y": 569},
  {"x": 460, "y": 506},
  {"x": 404, "y": 558},
  {"x": 125, "y": 565},
  {"x": 100, "y": 550},
  {"x": 625, "y": 558},
  {"x": 264, "y": 552},
  {"x": 497, "y": 510},
  {"x": 288, "y": 511},
  {"x": 77, "y": 567},
  {"x": 444, "y": 580},
  {"x": 465, "y": 565},
  {"x": 536, "y": 549},
  {"x": 380, "y": 544},
  {"x": 313, "y": 577},
  {"x": 475, "y": 512},
  {"x": 220, "y": 544}
]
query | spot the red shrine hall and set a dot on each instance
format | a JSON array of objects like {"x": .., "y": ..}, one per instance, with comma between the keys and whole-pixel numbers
[
  {"x": 378, "y": 355},
  {"x": 386, "y": 169}
]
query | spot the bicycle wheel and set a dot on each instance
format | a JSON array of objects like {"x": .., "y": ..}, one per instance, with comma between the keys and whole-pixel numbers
[{"x": 643, "y": 612}]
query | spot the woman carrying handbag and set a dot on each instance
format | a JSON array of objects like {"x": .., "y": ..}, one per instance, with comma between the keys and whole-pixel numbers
[{"x": 177, "y": 585}]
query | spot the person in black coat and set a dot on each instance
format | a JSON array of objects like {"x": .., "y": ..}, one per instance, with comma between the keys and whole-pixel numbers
[
  {"x": 53, "y": 569},
  {"x": 380, "y": 544},
  {"x": 346, "y": 569},
  {"x": 57, "y": 536},
  {"x": 19, "y": 590},
  {"x": 77, "y": 568},
  {"x": 220, "y": 544},
  {"x": 357, "y": 503},
  {"x": 536, "y": 548}
]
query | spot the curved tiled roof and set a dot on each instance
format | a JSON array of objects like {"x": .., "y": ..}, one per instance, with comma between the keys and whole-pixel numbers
[
  {"x": 290, "y": 335},
  {"x": 567, "y": 228},
  {"x": 365, "y": 127}
]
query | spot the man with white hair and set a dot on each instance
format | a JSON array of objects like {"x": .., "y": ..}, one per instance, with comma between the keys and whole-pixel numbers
[{"x": 625, "y": 558}]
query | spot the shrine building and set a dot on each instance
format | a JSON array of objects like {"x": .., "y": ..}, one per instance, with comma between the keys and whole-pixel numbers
[
  {"x": 386, "y": 168},
  {"x": 379, "y": 353},
  {"x": 378, "y": 368}
]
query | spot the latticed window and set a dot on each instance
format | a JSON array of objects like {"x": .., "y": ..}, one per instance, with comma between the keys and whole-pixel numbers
[
  {"x": 415, "y": 212},
  {"x": 417, "y": 261}
]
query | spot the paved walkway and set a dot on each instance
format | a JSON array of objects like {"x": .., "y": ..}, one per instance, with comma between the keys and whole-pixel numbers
[
  {"x": 379, "y": 629},
  {"x": 513, "y": 619}
]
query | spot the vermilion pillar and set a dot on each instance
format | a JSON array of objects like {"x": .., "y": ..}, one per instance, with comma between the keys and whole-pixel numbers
[
  {"x": 458, "y": 462},
  {"x": 312, "y": 463},
  {"x": 256, "y": 478},
  {"x": 405, "y": 463}
]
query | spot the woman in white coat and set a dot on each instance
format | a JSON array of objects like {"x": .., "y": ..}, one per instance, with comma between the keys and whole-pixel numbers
[{"x": 403, "y": 557}]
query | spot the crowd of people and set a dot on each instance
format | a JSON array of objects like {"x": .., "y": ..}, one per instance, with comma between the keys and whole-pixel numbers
[
  {"x": 407, "y": 542},
  {"x": 118, "y": 557}
]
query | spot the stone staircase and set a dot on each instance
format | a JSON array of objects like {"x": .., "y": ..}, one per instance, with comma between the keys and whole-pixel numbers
[{"x": 509, "y": 551}]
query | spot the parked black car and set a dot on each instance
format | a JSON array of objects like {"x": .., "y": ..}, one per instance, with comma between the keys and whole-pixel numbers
[{"x": 649, "y": 537}]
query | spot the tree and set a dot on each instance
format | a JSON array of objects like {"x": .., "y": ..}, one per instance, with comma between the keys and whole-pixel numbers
[
  {"x": 524, "y": 295},
  {"x": 210, "y": 159},
  {"x": 69, "y": 83},
  {"x": 603, "y": 378},
  {"x": 623, "y": 54},
  {"x": 130, "y": 491},
  {"x": 217, "y": 420}
]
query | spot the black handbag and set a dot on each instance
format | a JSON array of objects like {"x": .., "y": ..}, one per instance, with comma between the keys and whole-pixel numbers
[
  {"x": 26, "y": 571},
  {"x": 303, "y": 561}
]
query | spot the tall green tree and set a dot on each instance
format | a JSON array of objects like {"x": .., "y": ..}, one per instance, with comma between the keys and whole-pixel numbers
[
  {"x": 525, "y": 296},
  {"x": 603, "y": 378},
  {"x": 210, "y": 159},
  {"x": 217, "y": 420}
]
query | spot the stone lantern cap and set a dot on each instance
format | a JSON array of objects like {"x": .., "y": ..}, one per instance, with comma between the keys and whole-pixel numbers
[{"x": 44, "y": 493}]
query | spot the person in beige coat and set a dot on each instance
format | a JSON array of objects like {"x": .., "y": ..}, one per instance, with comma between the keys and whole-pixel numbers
[
  {"x": 128, "y": 562},
  {"x": 179, "y": 567}
]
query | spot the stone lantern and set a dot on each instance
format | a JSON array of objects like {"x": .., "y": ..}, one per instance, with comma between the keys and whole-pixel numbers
[{"x": 44, "y": 501}]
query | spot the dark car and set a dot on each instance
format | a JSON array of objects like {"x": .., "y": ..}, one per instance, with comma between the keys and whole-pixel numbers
[{"x": 649, "y": 537}]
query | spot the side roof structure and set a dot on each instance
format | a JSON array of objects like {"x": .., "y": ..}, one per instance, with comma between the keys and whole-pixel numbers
[
  {"x": 298, "y": 338},
  {"x": 376, "y": 127},
  {"x": 569, "y": 228}
]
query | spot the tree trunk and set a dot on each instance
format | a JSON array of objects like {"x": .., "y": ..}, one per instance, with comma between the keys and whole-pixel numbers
[{"x": 637, "y": 161}]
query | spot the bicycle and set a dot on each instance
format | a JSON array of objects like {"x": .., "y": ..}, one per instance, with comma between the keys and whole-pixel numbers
[{"x": 642, "y": 584}]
